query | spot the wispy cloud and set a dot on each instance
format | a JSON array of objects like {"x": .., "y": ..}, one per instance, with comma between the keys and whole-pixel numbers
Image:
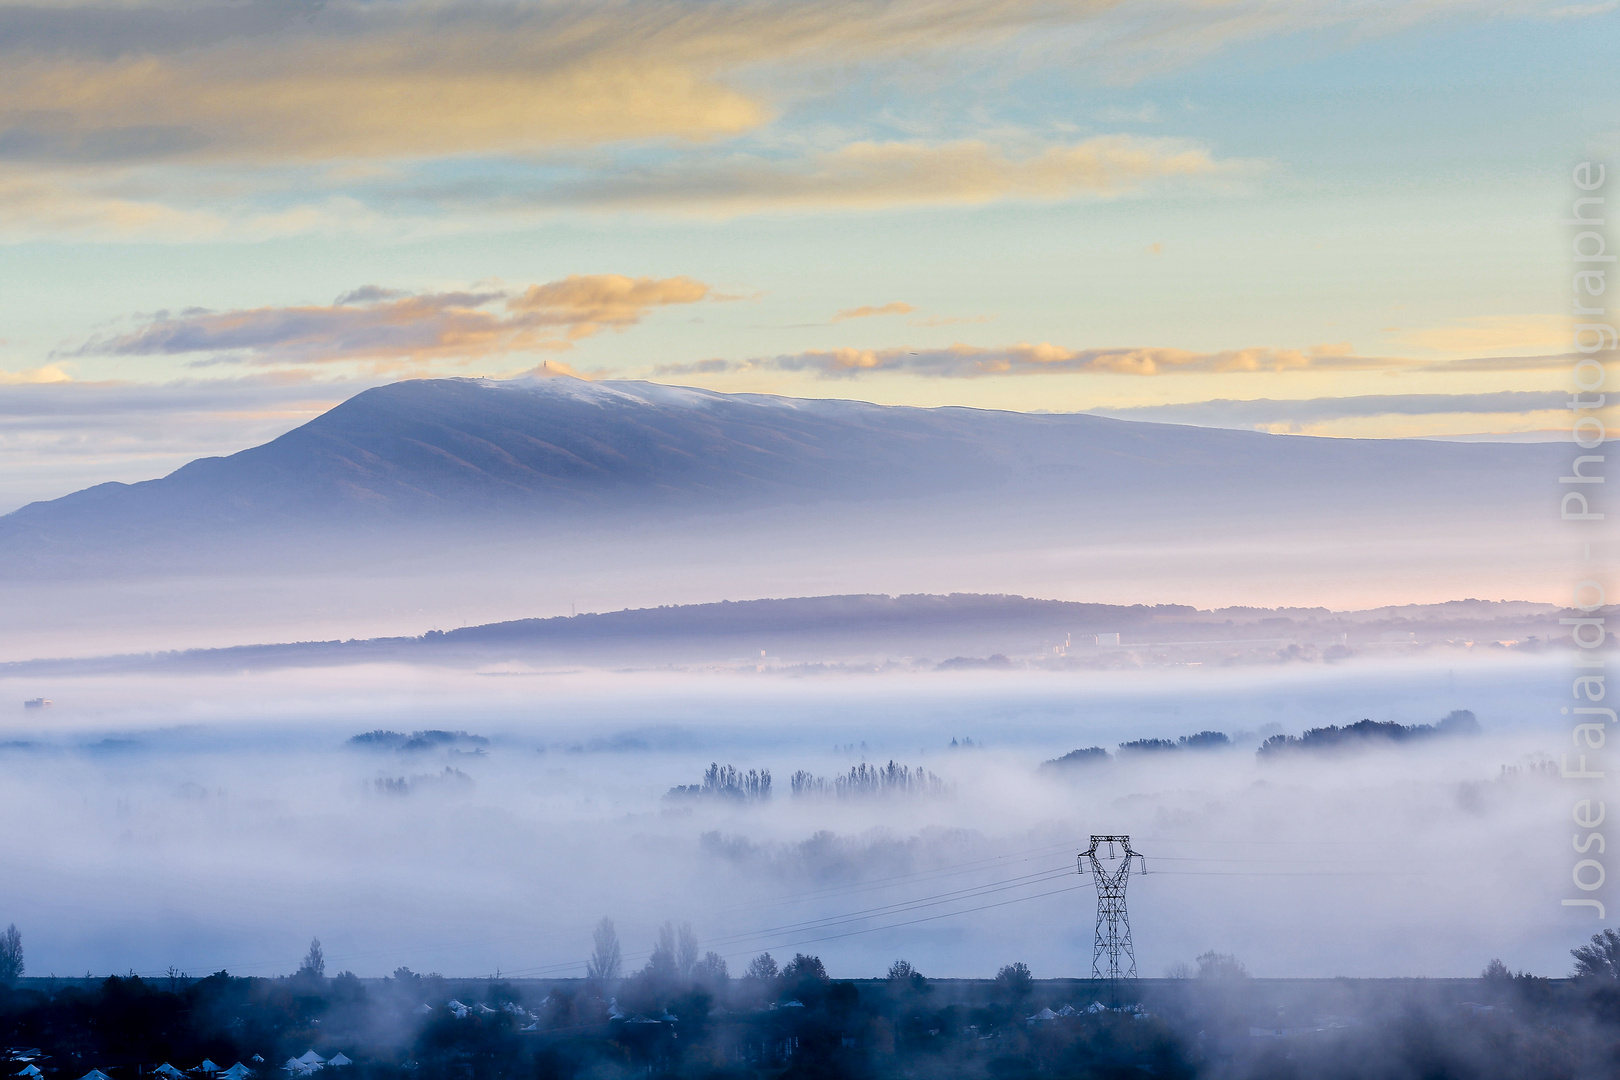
[
  {"x": 1491, "y": 333},
  {"x": 385, "y": 326},
  {"x": 103, "y": 81},
  {"x": 1545, "y": 362},
  {"x": 60, "y": 435},
  {"x": 1269, "y": 413},
  {"x": 970, "y": 362},
  {"x": 866, "y": 311},
  {"x": 220, "y": 81},
  {"x": 242, "y": 202},
  {"x": 876, "y": 175}
]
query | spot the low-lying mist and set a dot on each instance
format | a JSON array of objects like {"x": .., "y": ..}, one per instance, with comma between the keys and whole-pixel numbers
[{"x": 485, "y": 823}]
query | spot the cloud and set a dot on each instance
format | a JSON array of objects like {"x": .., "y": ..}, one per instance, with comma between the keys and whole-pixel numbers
[
  {"x": 867, "y": 311},
  {"x": 218, "y": 202},
  {"x": 57, "y": 436},
  {"x": 1492, "y": 333},
  {"x": 132, "y": 82},
  {"x": 50, "y": 373},
  {"x": 85, "y": 402},
  {"x": 1545, "y": 362},
  {"x": 60, "y": 203},
  {"x": 190, "y": 119},
  {"x": 585, "y": 302},
  {"x": 1269, "y": 413},
  {"x": 874, "y": 175},
  {"x": 697, "y": 182},
  {"x": 95, "y": 83},
  {"x": 52, "y": 203},
  {"x": 216, "y": 80},
  {"x": 969, "y": 362},
  {"x": 384, "y": 325}
]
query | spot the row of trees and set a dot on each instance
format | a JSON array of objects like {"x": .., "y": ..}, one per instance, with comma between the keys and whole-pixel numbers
[
  {"x": 726, "y": 782},
  {"x": 868, "y": 781},
  {"x": 674, "y": 957},
  {"x": 675, "y": 966},
  {"x": 409, "y": 1028},
  {"x": 861, "y": 781}
]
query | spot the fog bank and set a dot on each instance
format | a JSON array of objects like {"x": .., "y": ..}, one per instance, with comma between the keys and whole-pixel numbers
[{"x": 219, "y": 821}]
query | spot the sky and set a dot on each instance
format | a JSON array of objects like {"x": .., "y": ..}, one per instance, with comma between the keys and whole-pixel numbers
[{"x": 1327, "y": 217}]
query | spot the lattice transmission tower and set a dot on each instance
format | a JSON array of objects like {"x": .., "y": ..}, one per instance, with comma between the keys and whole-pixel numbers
[{"x": 1112, "y": 945}]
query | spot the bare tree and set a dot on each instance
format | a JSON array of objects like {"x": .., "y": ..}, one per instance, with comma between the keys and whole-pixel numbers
[
  {"x": 606, "y": 960},
  {"x": 11, "y": 954},
  {"x": 1214, "y": 965},
  {"x": 314, "y": 964},
  {"x": 1599, "y": 958},
  {"x": 686, "y": 951},
  {"x": 661, "y": 965}
]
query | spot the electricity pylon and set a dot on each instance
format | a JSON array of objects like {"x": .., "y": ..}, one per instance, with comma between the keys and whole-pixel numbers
[{"x": 1113, "y": 939}]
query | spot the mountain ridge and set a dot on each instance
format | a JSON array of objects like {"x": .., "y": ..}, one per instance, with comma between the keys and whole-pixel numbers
[
  {"x": 460, "y": 446},
  {"x": 818, "y": 626}
]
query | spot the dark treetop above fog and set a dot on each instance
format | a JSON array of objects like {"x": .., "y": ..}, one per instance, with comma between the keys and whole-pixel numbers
[{"x": 560, "y": 450}]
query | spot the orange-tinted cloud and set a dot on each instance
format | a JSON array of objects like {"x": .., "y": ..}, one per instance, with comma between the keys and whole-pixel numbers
[
  {"x": 585, "y": 302},
  {"x": 866, "y": 311},
  {"x": 49, "y": 373},
  {"x": 224, "y": 81},
  {"x": 96, "y": 81},
  {"x": 158, "y": 117},
  {"x": 375, "y": 324},
  {"x": 1492, "y": 333}
]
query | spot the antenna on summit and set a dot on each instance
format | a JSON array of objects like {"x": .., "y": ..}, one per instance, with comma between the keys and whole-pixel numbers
[{"x": 1112, "y": 955}]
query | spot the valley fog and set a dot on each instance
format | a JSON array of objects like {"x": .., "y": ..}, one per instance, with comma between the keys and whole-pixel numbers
[{"x": 220, "y": 821}]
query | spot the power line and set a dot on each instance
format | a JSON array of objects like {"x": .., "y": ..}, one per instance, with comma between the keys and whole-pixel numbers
[
  {"x": 834, "y": 921},
  {"x": 930, "y": 918}
]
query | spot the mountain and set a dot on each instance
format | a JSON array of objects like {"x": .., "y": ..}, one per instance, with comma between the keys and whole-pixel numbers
[
  {"x": 559, "y": 449},
  {"x": 454, "y": 501}
]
